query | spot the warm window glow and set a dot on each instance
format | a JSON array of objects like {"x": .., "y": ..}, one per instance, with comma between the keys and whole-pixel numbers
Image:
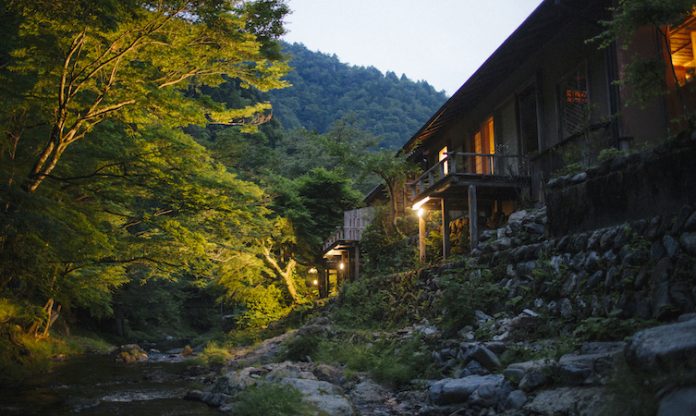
[
  {"x": 484, "y": 144},
  {"x": 442, "y": 155},
  {"x": 681, "y": 40}
]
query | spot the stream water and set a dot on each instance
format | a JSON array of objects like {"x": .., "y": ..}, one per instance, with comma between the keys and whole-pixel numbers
[{"x": 99, "y": 385}]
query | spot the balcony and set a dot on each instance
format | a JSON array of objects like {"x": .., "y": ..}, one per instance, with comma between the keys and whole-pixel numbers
[
  {"x": 460, "y": 169},
  {"x": 354, "y": 223}
]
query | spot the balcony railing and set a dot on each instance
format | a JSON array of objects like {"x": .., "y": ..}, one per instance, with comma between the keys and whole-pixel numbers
[
  {"x": 474, "y": 165},
  {"x": 354, "y": 223}
]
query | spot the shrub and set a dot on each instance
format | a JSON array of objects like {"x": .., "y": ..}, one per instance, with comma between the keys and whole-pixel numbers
[
  {"x": 300, "y": 347},
  {"x": 215, "y": 354},
  {"x": 272, "y": 399},
  {"x": 463, "y": 292},
  {"x": 608, "y": 329}
]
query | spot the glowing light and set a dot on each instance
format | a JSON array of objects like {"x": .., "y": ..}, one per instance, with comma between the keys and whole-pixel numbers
[
  {"x": 341, "y": 266},
  {"x": 420, "y": 203},
  {"x": 315, "y": 282},
  {"x": 313, "y": 270},
  {"x": 421, "y": 212}
]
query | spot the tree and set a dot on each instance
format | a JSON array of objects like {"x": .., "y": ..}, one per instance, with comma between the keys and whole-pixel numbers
[
  {"x": 70, "y": 71},
  {"x": 394, "y": 171}
]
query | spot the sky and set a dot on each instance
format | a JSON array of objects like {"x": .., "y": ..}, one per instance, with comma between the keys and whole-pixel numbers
[{"x": 440, "y": 41}]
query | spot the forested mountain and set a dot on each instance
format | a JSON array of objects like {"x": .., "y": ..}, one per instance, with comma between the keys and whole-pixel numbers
[{"x": 325, "y": 90}]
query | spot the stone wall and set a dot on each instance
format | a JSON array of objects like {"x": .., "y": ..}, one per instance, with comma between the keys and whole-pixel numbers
[
  {"x": 625, "y": 188},
  {"x": 640, "y": 269}
]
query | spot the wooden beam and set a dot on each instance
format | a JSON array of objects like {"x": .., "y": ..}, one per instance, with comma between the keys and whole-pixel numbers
[
  {"x": 421, "y": 237},
  {"x": 473, "y": 217},
  {"x": 445, "y": 228}
]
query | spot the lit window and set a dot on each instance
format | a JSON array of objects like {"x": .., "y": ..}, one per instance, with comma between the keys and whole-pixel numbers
[
  {"x": 681, "y": 41},
  {"x": 574, "y": 101},
  {"x": 442, "y": 155}
]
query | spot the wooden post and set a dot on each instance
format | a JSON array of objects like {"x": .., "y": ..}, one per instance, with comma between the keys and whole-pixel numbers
[
  {"x": 356, "y": 259},
  {"x": 473, "y": 217},
  {"x": 421, "y": 237},
  {"x": 445, "y": 228}
]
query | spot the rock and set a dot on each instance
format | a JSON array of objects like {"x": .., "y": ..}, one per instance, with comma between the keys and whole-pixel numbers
[
  {"x": 482, "y": 317},
  {"x": 517, "y": 216},
  {"x": 515, "y": 372},
  {"x": 331, "y": 374},
  {"x": 515, "y": 400},
  {"x": 671, "y": 245},
  {"x": 473, "y": 367},
  {"x": 687, "y": 317},
  {"x": 664, "y": 348},
  {"x": 688, "y": 242},
  {"x": 485, "y": 357},
  {"x": 585, "y": 401},
  {"x": 534, "y": 228},
  {"x": 612, "y": 277},
  {"x": 367, "y": 391},
  {"x": 533, "y": 379},
  {"x": 607, "y": 240},
  {"x": 449, "y": 390},
  {"x": 577, "y": 369},
  {"x": 657, "y": 250},
  {"x": 187, "y": 351},
  {"x": 653, "y": 229},
  {"x": 681, "y": 402},
  {"x": 690, "y": 223},
  {"x": 592, "y": 261},
  {"x": 325, "y": 396},
  {"x": 596, "y": 278},
  {"x": 194, "y": 395},
  {"x": 131, "y": 353},
  {"x": 663, "y": 307},
  {"x": 237, "y": 380},
  {"x": 566, "y": 308},
  {"x": 580, "y": 177}
]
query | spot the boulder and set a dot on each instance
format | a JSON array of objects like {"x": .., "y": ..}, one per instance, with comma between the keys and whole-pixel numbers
[
  {"x": 515, "y": 400},
  {"x": 368, "y": 392},
  {"x": 458, "y": 390},
  {"x": 688, "y": 242},
  {"x": 131, "y": 353},
  {"x": 325, "y": 396},
  {"x": 664, "y": 348},
  {"x": 681, "y": 402},
  {"x": 485, "y": 357},
  {"x": 586, "y": 401}
]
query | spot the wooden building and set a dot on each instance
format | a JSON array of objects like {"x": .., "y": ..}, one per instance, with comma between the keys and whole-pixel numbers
[
  {"x": 341, "y": 252},
  {"x": 545, "y": 99}
]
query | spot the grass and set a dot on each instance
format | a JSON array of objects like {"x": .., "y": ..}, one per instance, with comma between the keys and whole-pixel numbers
[
  {"x": 394, "y": 362},
  {"x": 22, "y": 355},
  {"x": 272, "y": 399}
]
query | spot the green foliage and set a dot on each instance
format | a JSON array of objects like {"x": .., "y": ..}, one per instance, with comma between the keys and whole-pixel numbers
[
  {"x": 299, "y": 348},
  {"x": 271, "y": 399},
  {"x": 380, "y": 302},
  {"x": 629, "y": 394},
  {"x": 326, "y": 90},
  {"x": 463, "y": 292},
  {"x": 215, "y": 355},
  {"x": 609, "y": 328},
  {"x": 609, "y": 153},
  {"x": 391, "y": 361},
  {"x": 383, "y": 248}
]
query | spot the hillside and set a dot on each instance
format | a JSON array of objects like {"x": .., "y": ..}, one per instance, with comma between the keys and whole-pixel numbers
[{"x": 325, "y": 90}]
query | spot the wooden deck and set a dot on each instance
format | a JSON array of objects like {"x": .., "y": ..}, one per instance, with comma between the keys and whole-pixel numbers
[
  {"x": 354, "y": 223},
  {"x": 493, "y": 173}
]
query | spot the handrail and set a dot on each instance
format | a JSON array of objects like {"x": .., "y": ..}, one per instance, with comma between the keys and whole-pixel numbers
[
  {"x": 483, "y": 164},
  {"x": 354, "y": 223}
]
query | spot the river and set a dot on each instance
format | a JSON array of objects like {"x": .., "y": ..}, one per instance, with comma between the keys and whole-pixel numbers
[{"x": 99, "y": 385}]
